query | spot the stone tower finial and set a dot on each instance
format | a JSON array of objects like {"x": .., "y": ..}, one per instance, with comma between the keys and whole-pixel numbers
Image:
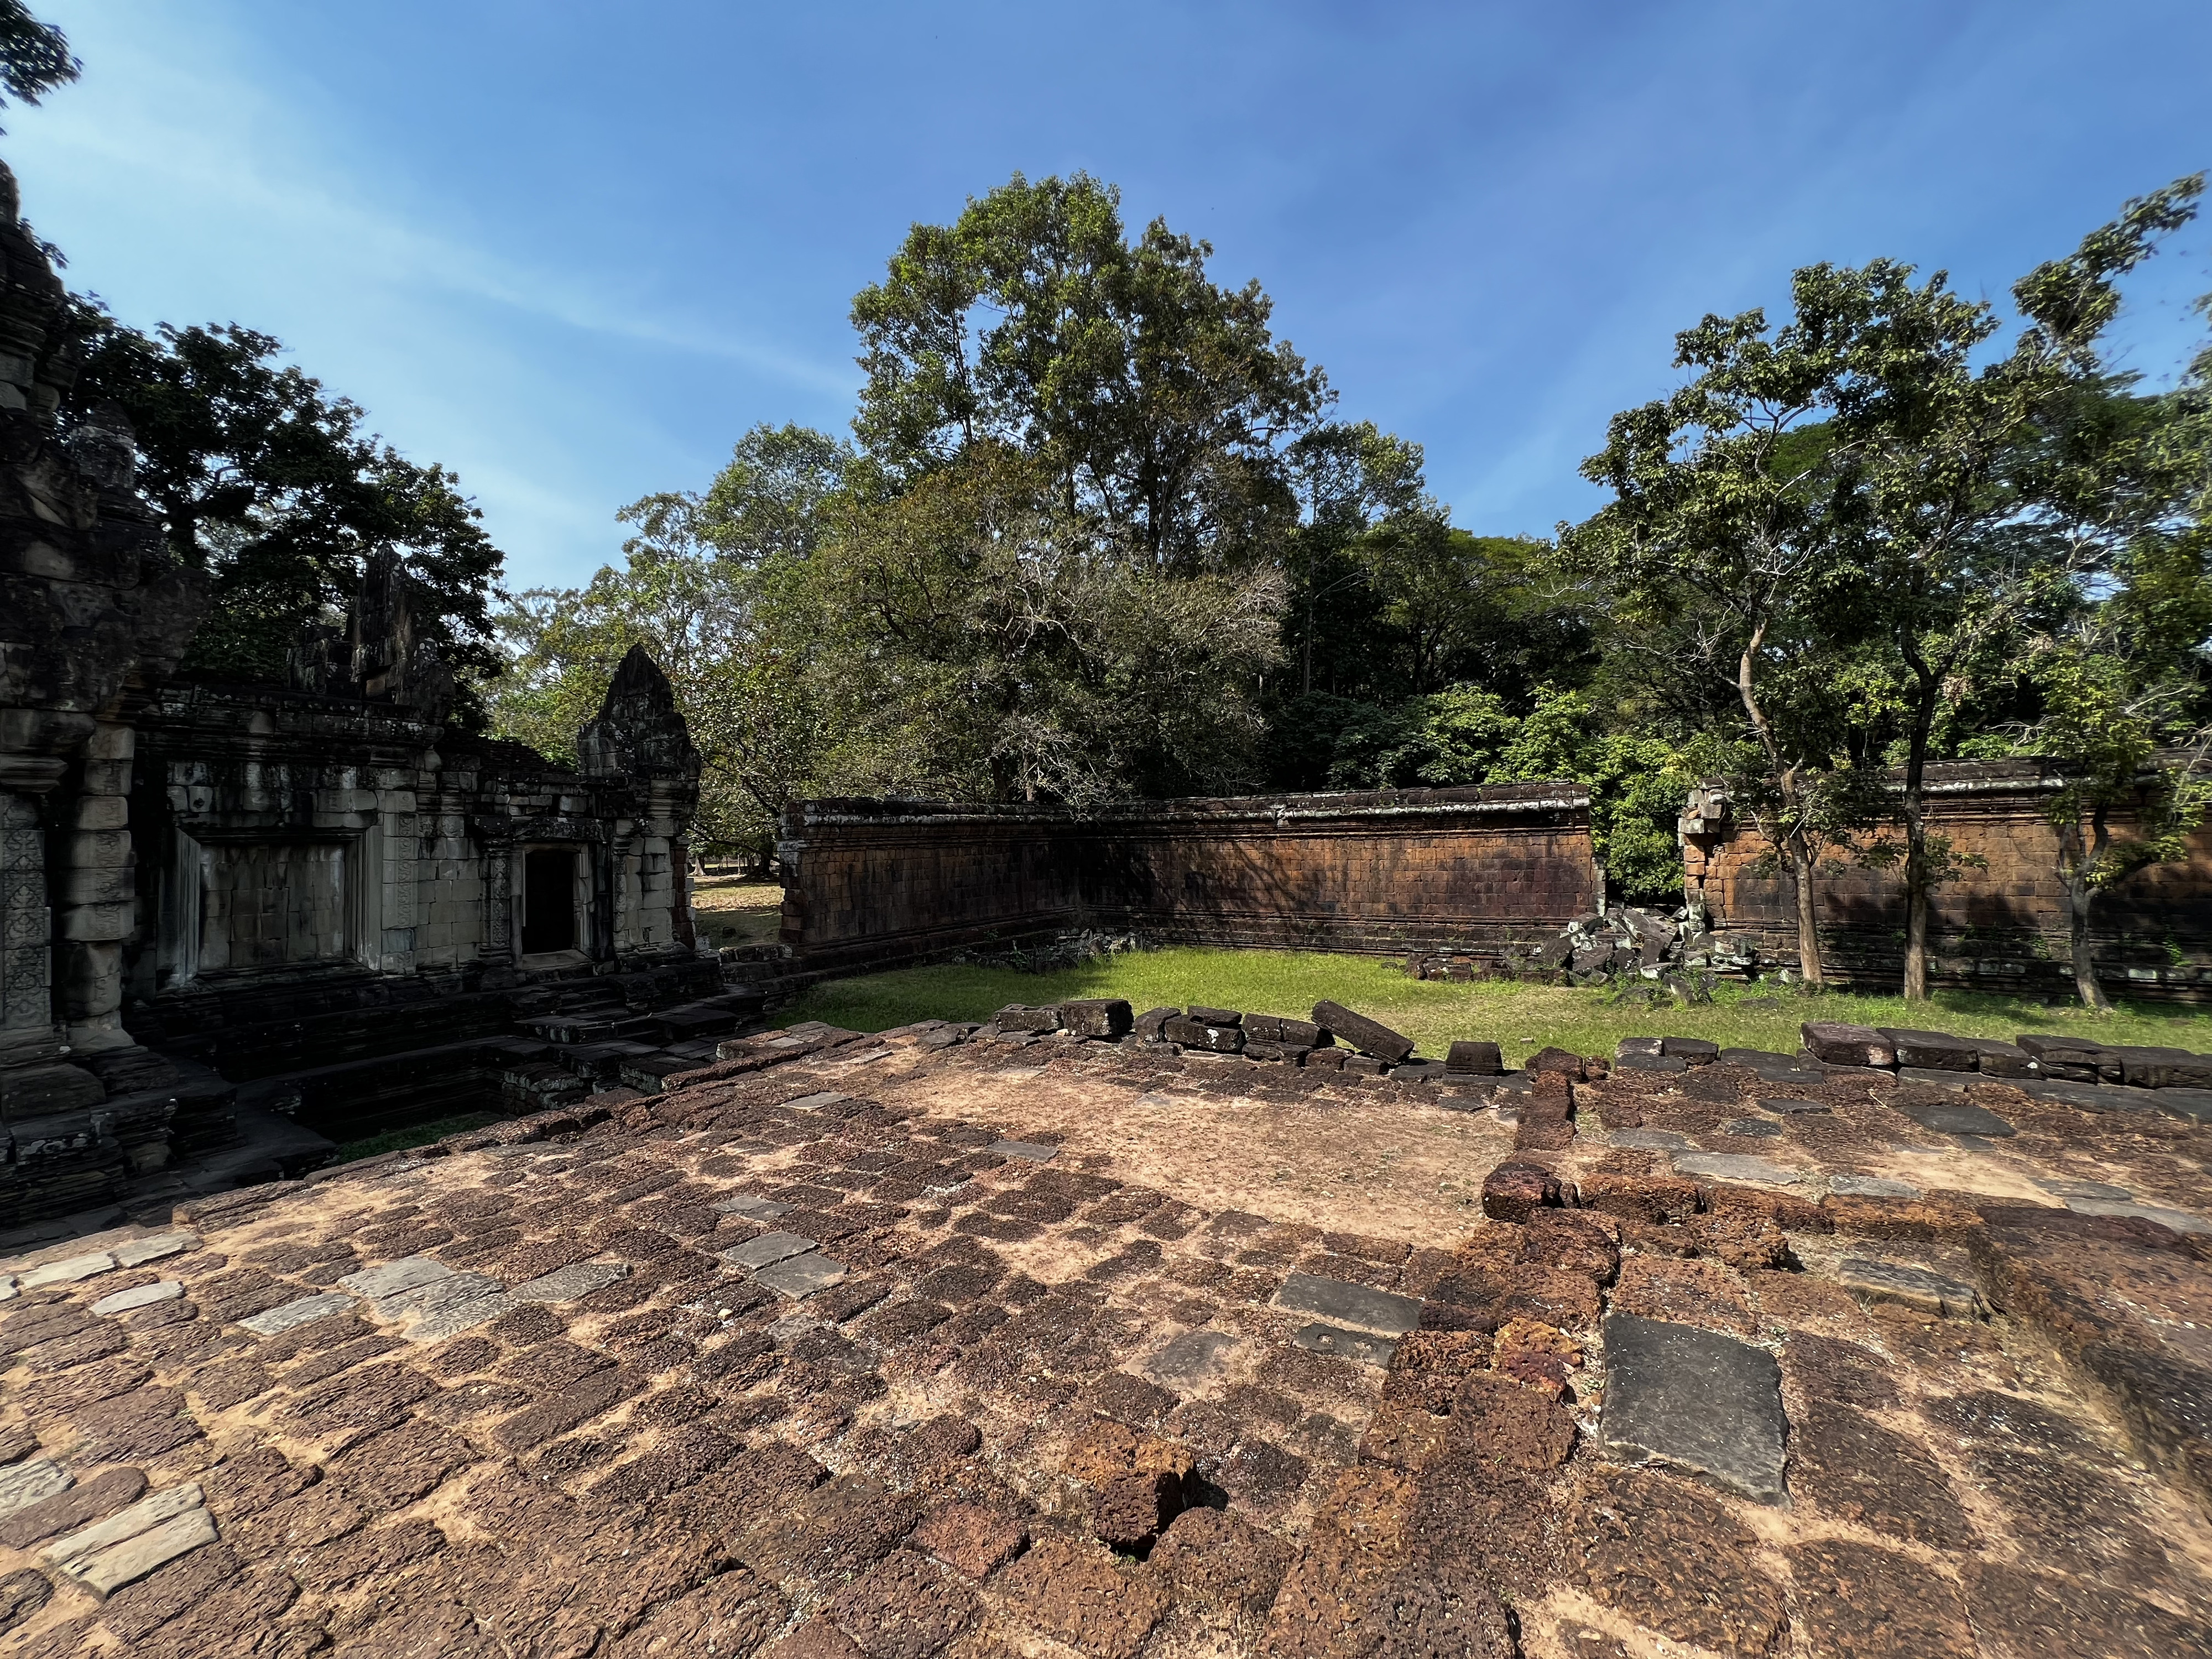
[{"x": 638, "y": 730}]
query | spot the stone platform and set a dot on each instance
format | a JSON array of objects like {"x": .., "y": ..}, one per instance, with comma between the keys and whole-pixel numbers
[{"x": 901, "y": 1346}]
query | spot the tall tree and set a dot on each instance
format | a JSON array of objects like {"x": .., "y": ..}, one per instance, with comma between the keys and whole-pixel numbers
[
  {"x": 1720, "y": 548},
  {"x": 268, "y": 482},
  {"x": 1155, "y": 403},
  {"x": 1982, "y": 496}
]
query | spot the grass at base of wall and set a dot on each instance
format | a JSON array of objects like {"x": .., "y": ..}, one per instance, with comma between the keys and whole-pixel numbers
[
  {"x": 1521, "y": 1018},
  {"x": 418, "y": 1134}
]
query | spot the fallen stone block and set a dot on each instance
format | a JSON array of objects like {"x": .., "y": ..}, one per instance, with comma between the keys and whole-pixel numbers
[
  {"x": 1913, "y": 1287},
  {"x": 1296, "y": 1033},
  {"x": 1837, "y": 1043},
  {"x": 1418, "y": 1070},
  {"x": 1932, "y": 1051},
  {"x": 1515, "y": 1190},
  {"x": 2072, "y": 1058},
  {"x": 1467, "y": 1058},
  {"x": 1694, "y": 1401},
  {"x": 1694, "y": 1051},
  {"x": 1106, "y": 1017},
  {"x": 1651, "y": 1063},
  {"x": 2004, "y": 1060},
  {"x": 1365, "y": 1065},
  {"x": 1149, "y": 1023},
  {"x": 2164, "y": 1068},
  {"x": 1369, "y": 1037},
  {"x": 1327, "y": 1059},
  {"x": 1214, "y": 1038},
  {"x": 1214, "y": 1016},
  {"x": 1016, "y": 1016}
]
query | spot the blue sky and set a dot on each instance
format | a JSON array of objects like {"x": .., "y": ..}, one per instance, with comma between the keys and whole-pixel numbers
[{"x": 573, "y": 250}]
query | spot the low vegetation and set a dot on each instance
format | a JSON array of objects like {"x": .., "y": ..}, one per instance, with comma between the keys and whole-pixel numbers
[{"x": 1520, "y": 1018}]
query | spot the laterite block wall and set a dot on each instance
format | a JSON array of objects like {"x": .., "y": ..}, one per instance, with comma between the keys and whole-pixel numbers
[
  {"x": 871, "y": 882},
  {"x": 2003, "y": 928}
]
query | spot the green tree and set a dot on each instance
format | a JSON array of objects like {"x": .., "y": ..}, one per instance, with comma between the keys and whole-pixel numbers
[
  {"x": 1719, "y": 551},
  {"x": 1983, "y": 497},
  {"x": 34, "y": 57},
  {"x": 1154, "y": 405},
  {"x": 267, "y": 481}
]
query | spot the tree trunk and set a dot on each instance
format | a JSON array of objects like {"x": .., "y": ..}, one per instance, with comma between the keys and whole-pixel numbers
[
  {"x": 1808, "y": 921},
  {"x": 2073, "y": 865},
  {"x": 1916, "y": 842}
]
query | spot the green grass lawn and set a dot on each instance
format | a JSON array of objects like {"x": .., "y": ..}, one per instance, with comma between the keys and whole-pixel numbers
[{"x": 1521, "y": 1018}]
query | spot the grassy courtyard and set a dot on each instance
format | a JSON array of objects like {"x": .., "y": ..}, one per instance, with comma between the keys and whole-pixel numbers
[{"x": 1521, "y": 1018}]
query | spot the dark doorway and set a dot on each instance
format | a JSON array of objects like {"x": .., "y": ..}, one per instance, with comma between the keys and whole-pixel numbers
[{"x": 548, "y": 899}]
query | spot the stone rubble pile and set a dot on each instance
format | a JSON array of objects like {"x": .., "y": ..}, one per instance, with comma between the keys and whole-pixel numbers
[{"x": 1674, "y": 954}]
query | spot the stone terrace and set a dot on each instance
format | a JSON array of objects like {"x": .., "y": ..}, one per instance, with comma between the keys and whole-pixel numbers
[{"x": 904, "y": 1346}]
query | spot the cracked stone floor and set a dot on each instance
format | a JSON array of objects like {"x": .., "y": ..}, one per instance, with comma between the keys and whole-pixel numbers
[{"x": 873, "y": 1347}]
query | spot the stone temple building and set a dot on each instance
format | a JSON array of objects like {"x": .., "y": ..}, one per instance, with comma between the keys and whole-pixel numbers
[{"x": 324, "y": 891}]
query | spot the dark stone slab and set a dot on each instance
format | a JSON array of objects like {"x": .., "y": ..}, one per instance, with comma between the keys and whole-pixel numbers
[
  {"x": 1215, "y": 1036},
  {"x": 1955, "y": 1117},
  {"x": 2164, "y": 1068},
  {"x": 1205, "y": 1016},
  {"x": 1756, "y": 1126},
  {"x": 1148, "y": 1023},
  {"x": 1835, "y": 1043},
  {"x": 1471, "y": 1059},
  {"x": 1651, "y": 1063},
  {"x": 1696, "y": 1400},
  {"x": 2006, "y": 1059},
  {"x": 1696, "y": 1050},
  {"x": 1355, "y": 1304},
  {"x": 1932, "y": 1051},
  {"x": 1646, "y": 1048},
  {"x": 800, "y": 1275},
  {"x": 2193, "y": 1105},
  {"x": 1933, "y": 1078},
  {"x": 1369, "y": 1037},
  {"x": 1035, "y": 1152},
  {"x": 1097, "y": 1017},
  {"x": 1345, "y": 1345}
]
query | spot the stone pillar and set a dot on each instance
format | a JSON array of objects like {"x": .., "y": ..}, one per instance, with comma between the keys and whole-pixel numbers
[
  {"x": 27, "y": 1000},
  {"x": 95, "y": 897}
]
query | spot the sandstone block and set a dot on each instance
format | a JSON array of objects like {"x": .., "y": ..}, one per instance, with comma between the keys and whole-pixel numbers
[
  {"x": 1467, "y": 1058},
  {"x": 1198, "y": 1034},
  {"x": 1367, "y": 1035},
  {"x": 1837, "y": 1043},
  {"x": 1107, "y": 1017},
  {"x": 1932, "y": 1051},
  {"x": 1017, "y": 1017}
]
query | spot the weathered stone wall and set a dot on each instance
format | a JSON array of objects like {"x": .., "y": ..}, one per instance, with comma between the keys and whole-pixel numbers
[
  {"x": 873, "y": 883},
  {"x": 305, "y": 848},
  {"x": 2002, "y": 928}
]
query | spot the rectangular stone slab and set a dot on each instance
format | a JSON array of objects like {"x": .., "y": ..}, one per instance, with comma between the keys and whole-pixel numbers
[
  {"x": 304, "y": 1311},
  {"x": 1913, "y": 1287},
  {"x": 110, "y": 1569},
  {"x": 142, "y": 1296},
  {"x": 1736, "y": 1166},
  {"x": 578, "y": 1279},
  {"x": 454, "y": 1318},
  {"x": 1933, "y": 1051},
  {"x": 752, "y": 1205},
  {"x": 1345, "y": 1345},
  {"x": 1859, "y": 1186},
  {"x": 1036, "y": 1152},
  {"x": 438, "y": 1295},
  {"x": 799, "y": 1275},
  {"x": 1955, "y": 1117},
  {"x": 65, "y": 1272},
  {"x": 27, "y": 1482},
  {"x": 767, "y": 1248},
  {"x": 392, "y": 1277},
  {"x": 1788, "y": 1105},
  {"x": 2180, "y": 1221},
  {"x": 1838, "y": 1043},
  {"x": 1355, "y": 1304},
  {"x": 815, "y": 1102},
  {"x": 148, "y": 1511},
  {"x": 1367, "y": 1035},
  {"x": 138, "y": 1251},
  {"x": 1194, "y": 1357},
  {"x": 1696, "y": 1400}
]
